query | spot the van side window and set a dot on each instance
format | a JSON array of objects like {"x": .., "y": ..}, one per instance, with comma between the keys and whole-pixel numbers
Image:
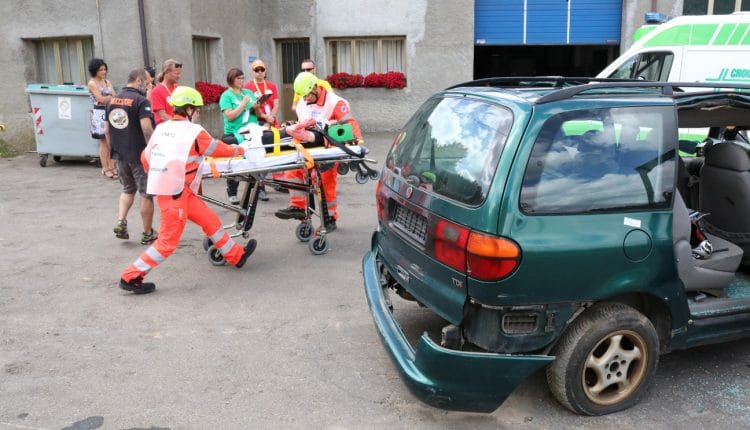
[
  {"x": 650, "y": 66},
  {"x": 601, "y": 160}
]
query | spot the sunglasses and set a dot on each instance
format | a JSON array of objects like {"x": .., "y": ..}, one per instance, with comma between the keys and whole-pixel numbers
[
  {"x": 259, "y": 69},
  {"x": 308, "y": 70},
  {"x": 178, "y": 65}
]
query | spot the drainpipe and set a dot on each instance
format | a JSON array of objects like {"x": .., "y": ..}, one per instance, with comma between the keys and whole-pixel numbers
[{"x": 144, "y": 40}]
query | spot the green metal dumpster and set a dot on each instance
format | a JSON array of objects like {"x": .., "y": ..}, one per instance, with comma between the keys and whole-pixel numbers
[{"x": 62, "y": 120}]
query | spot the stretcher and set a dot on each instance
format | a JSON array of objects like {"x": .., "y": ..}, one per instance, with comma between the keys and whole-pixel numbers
[{"x": 279, "y": 153}]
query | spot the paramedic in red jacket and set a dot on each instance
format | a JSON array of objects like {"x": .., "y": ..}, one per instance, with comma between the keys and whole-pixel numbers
[
  {"x": 321, "y": 107},
  {"x": 172, "y": 159}
]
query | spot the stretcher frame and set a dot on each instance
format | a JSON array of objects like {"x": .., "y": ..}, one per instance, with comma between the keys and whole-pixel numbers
[{"x": 316, "y": 207}]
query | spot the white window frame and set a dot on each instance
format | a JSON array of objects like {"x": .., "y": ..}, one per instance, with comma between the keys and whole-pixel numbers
[
  {"x": 49, "y": 49},
  {"x": 354, "y": 66}
]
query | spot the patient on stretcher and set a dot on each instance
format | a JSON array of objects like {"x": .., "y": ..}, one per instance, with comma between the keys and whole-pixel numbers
[{"x": 273, "y": 148}]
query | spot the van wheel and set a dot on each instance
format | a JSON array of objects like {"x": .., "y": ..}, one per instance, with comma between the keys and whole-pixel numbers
[{"x": 604, "y": 361}]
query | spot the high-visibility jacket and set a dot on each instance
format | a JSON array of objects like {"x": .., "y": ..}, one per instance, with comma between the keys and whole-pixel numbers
[
  {"x": 328, "y": 107},
  {"x": 174, "y": 153}
]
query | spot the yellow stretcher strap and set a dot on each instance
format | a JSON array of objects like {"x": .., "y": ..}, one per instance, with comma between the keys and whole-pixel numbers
[
  {"x": 276, "y": 139},
  {"x": 309, "y": 160}
]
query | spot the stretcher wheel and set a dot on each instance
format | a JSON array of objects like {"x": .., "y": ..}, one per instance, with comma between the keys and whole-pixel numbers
[
  {"x": 361, "y": 178},
  {"x": 318, "y": 246},
  {"x": 304, "y": 231},
  {"x": 43, "y": 160},
  {"x": 374, "y": 175},
  {"x": 215, "y": 257},
  {"x": 343, "y": 168},
  {"x": 207, "y": 242}
]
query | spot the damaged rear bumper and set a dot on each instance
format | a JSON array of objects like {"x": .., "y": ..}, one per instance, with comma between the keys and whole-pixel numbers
[{"x": 440, "y": 377}]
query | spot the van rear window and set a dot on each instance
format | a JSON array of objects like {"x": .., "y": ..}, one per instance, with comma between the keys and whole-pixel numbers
[{"x": 452, "y": 146}]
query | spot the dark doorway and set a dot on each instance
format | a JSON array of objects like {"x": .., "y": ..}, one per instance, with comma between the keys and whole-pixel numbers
[
  {"x": 293, "y": 51},
  {"x": 543, "y": 60}
]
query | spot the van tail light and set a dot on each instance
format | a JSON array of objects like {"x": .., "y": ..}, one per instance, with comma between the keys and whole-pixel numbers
[
  {"x": 380, "y": 199},
  {"x": 481, "y": 256},
  {"x": 491, "y": 258},
  {"x": 450, "y": 244}
]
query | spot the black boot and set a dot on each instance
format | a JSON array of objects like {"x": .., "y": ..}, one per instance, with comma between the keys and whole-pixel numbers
[
  {"x": 137, "y": 286},
  {"x": 249, "y": 249}
]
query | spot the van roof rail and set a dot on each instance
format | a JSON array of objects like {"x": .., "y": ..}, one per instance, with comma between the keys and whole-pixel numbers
[
  {"x": 534, "y": 81},
  {"x": 569, "y": 87}
]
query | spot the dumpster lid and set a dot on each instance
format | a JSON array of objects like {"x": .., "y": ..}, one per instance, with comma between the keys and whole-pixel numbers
[{"x": 56, "y": 89}]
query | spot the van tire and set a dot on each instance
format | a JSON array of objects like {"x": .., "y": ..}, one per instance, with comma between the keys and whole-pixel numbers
[{"x": 605, "y": 360}]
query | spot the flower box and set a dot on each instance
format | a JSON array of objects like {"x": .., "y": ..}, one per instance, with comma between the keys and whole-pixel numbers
[{"x": 390, "y": 80}]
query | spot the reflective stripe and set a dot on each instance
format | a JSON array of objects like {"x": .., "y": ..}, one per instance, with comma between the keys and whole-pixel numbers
[
  {"x": 211, "y": 148},
  {"x": 197, "y": 159},
  {"x": 155, "y": 255},
  {"x": 141, "y": 265},
  {"x": 217, "y": 236},
  {"x": 346, "y": 117},
  {"x": 227, "y": 246}
]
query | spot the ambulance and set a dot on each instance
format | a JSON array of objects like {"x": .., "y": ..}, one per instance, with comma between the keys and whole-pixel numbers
[{"x": 698, "y": 48}]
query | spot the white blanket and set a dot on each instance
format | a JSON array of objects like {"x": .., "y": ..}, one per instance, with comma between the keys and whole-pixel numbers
[{"x": 239, "y": 164}]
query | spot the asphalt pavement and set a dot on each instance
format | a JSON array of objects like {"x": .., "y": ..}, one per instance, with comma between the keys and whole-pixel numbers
[{"x": 285, "y": 342}]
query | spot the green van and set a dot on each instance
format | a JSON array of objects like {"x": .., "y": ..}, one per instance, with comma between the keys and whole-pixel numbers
[{"x": 553, "y": 223}]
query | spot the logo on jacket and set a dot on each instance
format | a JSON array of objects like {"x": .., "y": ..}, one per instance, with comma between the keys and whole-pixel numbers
[{"x": 118, "y": 118}]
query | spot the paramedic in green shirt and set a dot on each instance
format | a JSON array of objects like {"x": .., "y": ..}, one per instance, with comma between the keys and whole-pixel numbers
[{"x": 239, "y": 108}]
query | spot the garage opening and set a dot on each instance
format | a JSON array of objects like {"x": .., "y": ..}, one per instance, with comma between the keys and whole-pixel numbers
[{"x": 543, "y": 60}]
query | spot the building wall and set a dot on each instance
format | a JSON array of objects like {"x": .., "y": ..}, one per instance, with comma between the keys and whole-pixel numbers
[
  {"x": 439, "y": 47},
  {"x": 439, "y": 39}
]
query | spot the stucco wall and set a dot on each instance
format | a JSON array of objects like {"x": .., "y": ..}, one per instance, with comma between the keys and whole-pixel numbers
[
  {"x": 439, "y": 38},
  {"x": 439, "y": 51},
  {"x": 32, "y": 19}
]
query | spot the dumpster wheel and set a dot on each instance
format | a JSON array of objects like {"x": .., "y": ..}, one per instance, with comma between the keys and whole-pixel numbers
[{"x": 43, "y": 159}]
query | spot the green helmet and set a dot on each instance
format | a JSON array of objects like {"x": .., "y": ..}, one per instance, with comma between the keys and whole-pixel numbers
[
  {"x": 182, "y": 96},
  {"x": 304, "y": 83}
]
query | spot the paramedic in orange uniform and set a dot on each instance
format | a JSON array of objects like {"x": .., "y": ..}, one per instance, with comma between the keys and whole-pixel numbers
[
  {"x": 172, "y": 159},
  {"x": 319, "y": 107}
]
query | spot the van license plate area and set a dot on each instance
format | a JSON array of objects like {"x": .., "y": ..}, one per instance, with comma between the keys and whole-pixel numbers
[{"x": 410, "y": 223}]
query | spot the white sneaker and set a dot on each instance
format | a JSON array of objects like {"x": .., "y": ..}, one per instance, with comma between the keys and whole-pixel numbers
[{"x": 234, "y": 200}]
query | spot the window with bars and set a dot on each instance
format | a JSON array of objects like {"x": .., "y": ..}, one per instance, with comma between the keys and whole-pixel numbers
[
  {"x": 365, "y": 55},
  {"x": 63, "y": 60},
  {"x": 714, "y": 7},
  {"x": 202, "y": 51}
]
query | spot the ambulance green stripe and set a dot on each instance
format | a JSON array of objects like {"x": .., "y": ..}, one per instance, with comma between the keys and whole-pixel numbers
[
  {"x": 738, "y": 33},
  {"x": 687, "y": 34},
  {"x": 724, "y": 33}
]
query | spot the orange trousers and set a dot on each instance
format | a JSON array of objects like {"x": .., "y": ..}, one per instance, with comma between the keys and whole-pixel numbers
[
  {"x": 329, "y": 181},
  {"x": 174, "y": 216}
]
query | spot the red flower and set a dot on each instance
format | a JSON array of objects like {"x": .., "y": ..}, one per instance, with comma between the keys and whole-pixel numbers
[
  {"x": 373, "y": 80},
  {"x": 345, "y": 80},
  {"x": 210, "y": 92}
]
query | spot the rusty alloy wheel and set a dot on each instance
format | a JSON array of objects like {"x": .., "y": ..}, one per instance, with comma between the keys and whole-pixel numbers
[
  {"x": 605, "y": 360},
  {"x": 615, "y": 367}
]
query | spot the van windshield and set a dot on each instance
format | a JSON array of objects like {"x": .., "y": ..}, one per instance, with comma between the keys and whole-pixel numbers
[
  {"x": 650, "y": 66},
  {"x": 451, "y": 146}
]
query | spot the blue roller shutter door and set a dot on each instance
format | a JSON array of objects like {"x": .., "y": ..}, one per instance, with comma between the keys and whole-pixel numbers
[
  {"x": 546, "y": 22},
  {"x": 592, "y": 22}
]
